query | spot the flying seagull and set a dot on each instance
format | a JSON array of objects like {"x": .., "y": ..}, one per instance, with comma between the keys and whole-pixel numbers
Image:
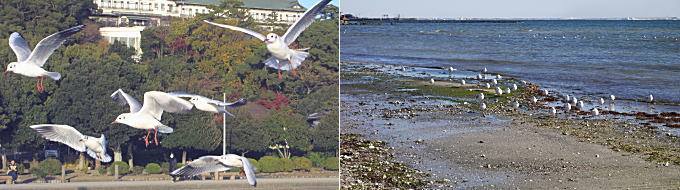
[
  {"x": 284, "y": 58},
  {"x": 148, "y": 116},
  {"x": 206, "y": 104},
  {"x": 206, "y": 164},
  {"x": 95, "y": 147},
  {"x": 29, "y": 63}
]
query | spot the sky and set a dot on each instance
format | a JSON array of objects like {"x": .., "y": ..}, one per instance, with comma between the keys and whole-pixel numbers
[
  {"x": 309, "y": 3},
  {"x": 512, "y": 9}
]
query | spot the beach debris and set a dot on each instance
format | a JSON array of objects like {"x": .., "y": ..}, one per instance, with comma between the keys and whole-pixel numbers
[
  {"x": 419, "y": 141},
  {"x": 514, "y": 87}
]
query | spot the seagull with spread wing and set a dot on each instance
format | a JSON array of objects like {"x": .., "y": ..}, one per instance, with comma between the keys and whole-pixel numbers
[
  {"x": 95, "y": 147},
  {"x": 29, "y": 63},
  {"x": 206, "y": 164},
  {"x": 206, "y": 104},
  {"x": 148, "y": 115},
  {"x": 284, "y": 58}
]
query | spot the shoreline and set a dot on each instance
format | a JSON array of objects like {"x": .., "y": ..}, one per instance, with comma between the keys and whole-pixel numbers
[{"x": 461, "y": 146}]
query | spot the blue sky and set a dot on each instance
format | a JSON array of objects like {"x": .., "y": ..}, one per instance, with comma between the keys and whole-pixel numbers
[
  {"x": 309, "y": 3},
  {"x": 513, "y": 9}
]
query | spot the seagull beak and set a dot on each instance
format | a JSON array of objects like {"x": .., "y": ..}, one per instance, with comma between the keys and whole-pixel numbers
[
  {"x": 114, "y": 122},
  {"x": 266, "y": 39}
]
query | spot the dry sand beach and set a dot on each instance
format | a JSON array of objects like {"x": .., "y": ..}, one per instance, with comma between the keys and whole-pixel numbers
[{"x": 430, "y": 129}]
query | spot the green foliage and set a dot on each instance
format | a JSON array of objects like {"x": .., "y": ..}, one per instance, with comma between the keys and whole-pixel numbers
[
  {"x": 315, "y": 157},
  {"x": 39, "y": 172},
  {"x": 165, "y": 167},
  {"x": 331, "y": 163},
  {"x": 288, "y": 164},
  {"x": 137, "y": 170},
  {"x": 152, "y": 168},
  {"x": 325, "y": 135},
  {"x": 20, "y": 168},
  {"x": 51, "y": 166},
  {"x": 103, "y": 171},
  {"x": 286, "y": 126},
  {"x": 270, "y": 164},
  {"x": 123, "y": 168},
  {"x": 302, "y": 163},
  {"x": 179, "y": 165}
]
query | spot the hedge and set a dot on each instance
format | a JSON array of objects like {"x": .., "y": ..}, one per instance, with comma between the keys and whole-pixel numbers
[
  {"x": 331, "y": 163},
  {"x": 123, "y": 168},
  {"x": 302, "y": 163},
  {"x": 152, "y": 168}
]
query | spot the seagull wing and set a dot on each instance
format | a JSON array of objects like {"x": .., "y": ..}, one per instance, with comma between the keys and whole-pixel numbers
[
  {"x": 123, "y": 98},
  {"x": 61, "y": 133},
  {"x": 46, "y": 46},
  {"x": 201, "y": 165},
  {"x": 19, "y": 46},
  {"x": 104, "y": 157},
  {"x": 183, "y": 94},
  {"x": 156, "y": 102},
  {"x": 250, "y": 171},
  {"x": 249, "y": 32},
  {"x": 232, "y": 105},
  {"x": 296, "y": 29}
]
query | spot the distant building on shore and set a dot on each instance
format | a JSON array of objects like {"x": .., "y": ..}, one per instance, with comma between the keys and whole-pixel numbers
[{"x": 123, "y": 20}]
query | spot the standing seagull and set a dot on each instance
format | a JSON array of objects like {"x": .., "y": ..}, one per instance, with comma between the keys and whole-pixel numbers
[
  {"x": 148, "y": 116},
  {"x": 95, "y": 147},
  {"x": 206, "y": 104},
  {"x": 206, "y": 164},
  {"x": 534, "y": 100},
  {"x": 651, "y": 98},
  {"x": 29, "y": 63},
  {"x": 612, "y": 97},
  {"x": 602, "y": 101},
  {"x": 284, "y": 58},
  {"x": 462, "y": 82}
]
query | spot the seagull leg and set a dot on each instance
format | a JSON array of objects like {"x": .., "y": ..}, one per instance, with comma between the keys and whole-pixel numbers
[
  {"x": 241, "y": 171},
  {"x": 146, "y": 139},
  {"x": 155, "y": 136},
  {"x": 291, "y": 67},
  {"x": 42, "y": 88},
  {"x": 278, "y": 69}
]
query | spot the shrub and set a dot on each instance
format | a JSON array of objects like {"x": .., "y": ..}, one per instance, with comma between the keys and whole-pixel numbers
[
  {"x": 302, "y": 163},
  {"x": 288, "y": 164},
  {"x": 39, "y": 171},
  {"x": 165, "y": 167},
  {"x": 331, "y": 163},
  {"x": 179, "y": 165},
  {"x": 317, "y": 160},
  {"x": 51, "y": 166},
  {"x": 123, "y": 168},
  {"x": 137, "y": 170},
  {"x": 20, "y": 168},
  {"x": 270, "y": 164},
  {"x": 152, "y": 168},
  {"x": 255, "y": 164},
  {"x": 102, "y": 170}
]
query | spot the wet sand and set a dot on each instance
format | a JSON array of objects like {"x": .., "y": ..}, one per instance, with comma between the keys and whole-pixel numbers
[{"x": 462, "y": 147}]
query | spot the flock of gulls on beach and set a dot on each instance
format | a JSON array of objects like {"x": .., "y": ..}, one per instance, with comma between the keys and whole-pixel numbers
[
  {"x": 147, "y": 116},
  {"x": 570, "y": 102}
]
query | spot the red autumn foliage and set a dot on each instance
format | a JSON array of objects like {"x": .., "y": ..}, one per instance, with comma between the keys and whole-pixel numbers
[{"x": 277, "y": 103}]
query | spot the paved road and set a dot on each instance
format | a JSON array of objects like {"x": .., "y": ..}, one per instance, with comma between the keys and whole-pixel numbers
[{"x": 267, "y": 183}]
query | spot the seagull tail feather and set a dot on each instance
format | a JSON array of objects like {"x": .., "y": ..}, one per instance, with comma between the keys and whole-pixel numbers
[
  {"x": 164, "y": 129},
  {"x": 53, "y": 75}
]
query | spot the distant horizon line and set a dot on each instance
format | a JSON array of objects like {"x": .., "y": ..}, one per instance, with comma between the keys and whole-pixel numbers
[{"x": 521, "y": 18}]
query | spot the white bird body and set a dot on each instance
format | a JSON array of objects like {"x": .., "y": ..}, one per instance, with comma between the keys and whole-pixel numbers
[
  {"x": 567, "y": 98},
  {"x": 494, "y": 81},
  {"x": 507, "y": 91},
  {"x": 499, "y": 91},
  {"x": 514, "y": 87},
  {"x": 534, "y": 100},
  {"x": 431, "y": 81},
  {"x": 602, "y": 101},
  {"x": 498, "y": 77},
  {"x": 148, "y": 115},
  {"x": 651, "y": 98},
  {"x": 574, "y": 100},
  {"x": 207, "y": 164},
  {"x": 567, "y": 107},
  {"x": 480, "y": 96},
  {"x": 29, "y": 63},
  {"x": 487, "y": 85},
  {"x": 553, "y": 111},
  {"x": 581, "y": 105},
  {"x": 284, "y": 58},
  {"x": 515, "y": 104},
  {"x": 546, "y": 92},
  {"x": 95, "y": 147},
  {"x": 209, "y": 105},
  {"x": 462, "y": 82},
  {"x": 595, "y": 112},
  {"x": 484, "y": 70},
  {"x": 482, "y": 106},
  {"x": 479, "y": 76},
  {"x": 612, "y": 97},
  {"x": 451, "y": 69}
]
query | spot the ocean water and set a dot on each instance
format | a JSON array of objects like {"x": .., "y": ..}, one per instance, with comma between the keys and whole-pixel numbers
[{"x": 630, "y": 59}]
